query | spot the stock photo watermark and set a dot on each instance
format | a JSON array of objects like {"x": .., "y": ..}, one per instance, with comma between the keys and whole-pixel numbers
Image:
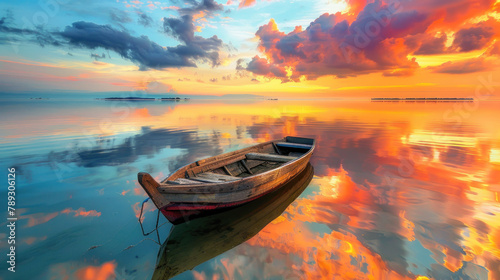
[
  {"x": 63, "y": 164},
  {"x": 463, "y": 110},
  {"x": 456, "y": 115},
  {"x": 47, "y": 10},
  {"x": 370, "y": 30},
  {"x": 11, "y": 219}
]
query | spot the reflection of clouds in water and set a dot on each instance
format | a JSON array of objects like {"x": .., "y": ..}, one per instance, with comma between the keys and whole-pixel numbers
[
  {"x": 148, "y": 143},
  {"x": 340, "y": 142},
  {"x": 428, "y": 239},
  {"x": 392, "y": 199},
  {"x": 457, "y": 156}
]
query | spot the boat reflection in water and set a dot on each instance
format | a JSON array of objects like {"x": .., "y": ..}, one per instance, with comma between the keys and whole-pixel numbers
[{"x": 195, "y": 242}]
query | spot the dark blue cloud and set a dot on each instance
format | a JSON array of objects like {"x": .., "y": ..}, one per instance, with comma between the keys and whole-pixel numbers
[
  {"x": 145, "y": 20},
  {"x": 140, "y": 50},
  {"x": 208, "y": 6},
  {"x": 433, "y": 45},
  {"x": 196, "y": 46},
  {"x": 260, "y": 66},
  {"x": 471, "y": 65},
  {"x": 119, "y": 16},
  {"x": 473, "y": 38}
]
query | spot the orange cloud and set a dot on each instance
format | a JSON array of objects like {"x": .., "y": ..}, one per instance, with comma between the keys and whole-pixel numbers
[
  {"x": 380, "y": 39},
  {"x": 246, "y": 3},
  {"x": 466, "y": 66},
  {"x": 356, "y": 6},
  {"x": 199, "y": 15},
  {"x": 39, "y": 218},
  {"x": 104, "y": 272},
  {"x": 170, "y": 8},
  {"x": 124, "y": 192},
  {"x": 32, "y": 63},
  {"x": 31, "y": 240},
  {"x": 324, "y": 257},
  {"x": 141, "y": 113},
  {"x": 148, "y": 207},
  {"x": 81, "y": 212}
]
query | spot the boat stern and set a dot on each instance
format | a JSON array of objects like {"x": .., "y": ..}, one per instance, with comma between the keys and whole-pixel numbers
[{"x": 300, "y": 140}]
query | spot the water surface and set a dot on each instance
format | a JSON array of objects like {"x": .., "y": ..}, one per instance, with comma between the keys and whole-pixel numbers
[{"x": 400, "y": 190}]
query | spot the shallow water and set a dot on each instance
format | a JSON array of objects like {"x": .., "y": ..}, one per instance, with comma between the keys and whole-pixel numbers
[{"x": 400, "y": 190}]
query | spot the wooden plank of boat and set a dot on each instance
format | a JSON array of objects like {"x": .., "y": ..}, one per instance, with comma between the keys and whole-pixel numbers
[
  {"x": 246, "y": 167},
  {"x": 295, "y": 154},
  {"x": 227, "y": 170},
  {"x": 269, "y": 157},
  {"x": 228, "y": 155},
  {"x": 300, "y": 140},
  {"x": 293, "y": 145},
  {"x": 276, "y": 149},
  {"x": 211, "y": 177},
  {"x": 214, "y": 165},
  {"x": 182, "y": 181}
]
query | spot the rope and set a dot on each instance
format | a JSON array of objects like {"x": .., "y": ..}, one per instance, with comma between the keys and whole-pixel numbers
[{"x": 157, "y": 221}]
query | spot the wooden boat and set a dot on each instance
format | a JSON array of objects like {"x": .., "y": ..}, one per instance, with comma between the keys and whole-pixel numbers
[
  {"x": 191, "y": 244},
  {"x": 228, "y": 180}
]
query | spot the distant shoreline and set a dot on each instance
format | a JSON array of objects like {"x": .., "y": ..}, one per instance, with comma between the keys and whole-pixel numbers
[
  {"x": 142, "y": 99},
  {"x": 423, "y": 99}
]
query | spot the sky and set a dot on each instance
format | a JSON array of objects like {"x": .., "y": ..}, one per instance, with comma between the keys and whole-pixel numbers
[{"x": 274, "y": 48}]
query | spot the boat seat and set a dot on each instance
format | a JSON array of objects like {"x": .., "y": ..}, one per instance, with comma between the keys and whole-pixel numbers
[
  {"x": 182, "y": 181},
  {"x": 210, "y": 177},
  {"x": 293, "y": 145},
  {"x": 269, "y": 157}
]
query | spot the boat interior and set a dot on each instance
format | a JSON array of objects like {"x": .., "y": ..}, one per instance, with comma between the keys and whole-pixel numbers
[{"x": 243, "y": 163}]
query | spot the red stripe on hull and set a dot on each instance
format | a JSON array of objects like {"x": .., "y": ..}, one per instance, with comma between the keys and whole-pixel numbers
[{"x": 178, "y": 213}]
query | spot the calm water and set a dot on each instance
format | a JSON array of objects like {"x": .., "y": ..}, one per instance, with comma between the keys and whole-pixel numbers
[{"x": 400, "y": 190}]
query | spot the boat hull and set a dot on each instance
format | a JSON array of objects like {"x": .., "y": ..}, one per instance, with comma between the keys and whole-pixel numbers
[
  {"x": 201, "y": 188},
  {"x": 180, "y": 212}
]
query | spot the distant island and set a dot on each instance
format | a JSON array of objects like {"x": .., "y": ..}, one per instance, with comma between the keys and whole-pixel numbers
[
  {"x": 132, "y": 98},
  {"x": 420, "y": 99},
  {"x": 173, "y": 99}
]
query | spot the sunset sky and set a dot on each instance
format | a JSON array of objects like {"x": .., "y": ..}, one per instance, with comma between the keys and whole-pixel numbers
[{"x": 299, "y": 48}]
